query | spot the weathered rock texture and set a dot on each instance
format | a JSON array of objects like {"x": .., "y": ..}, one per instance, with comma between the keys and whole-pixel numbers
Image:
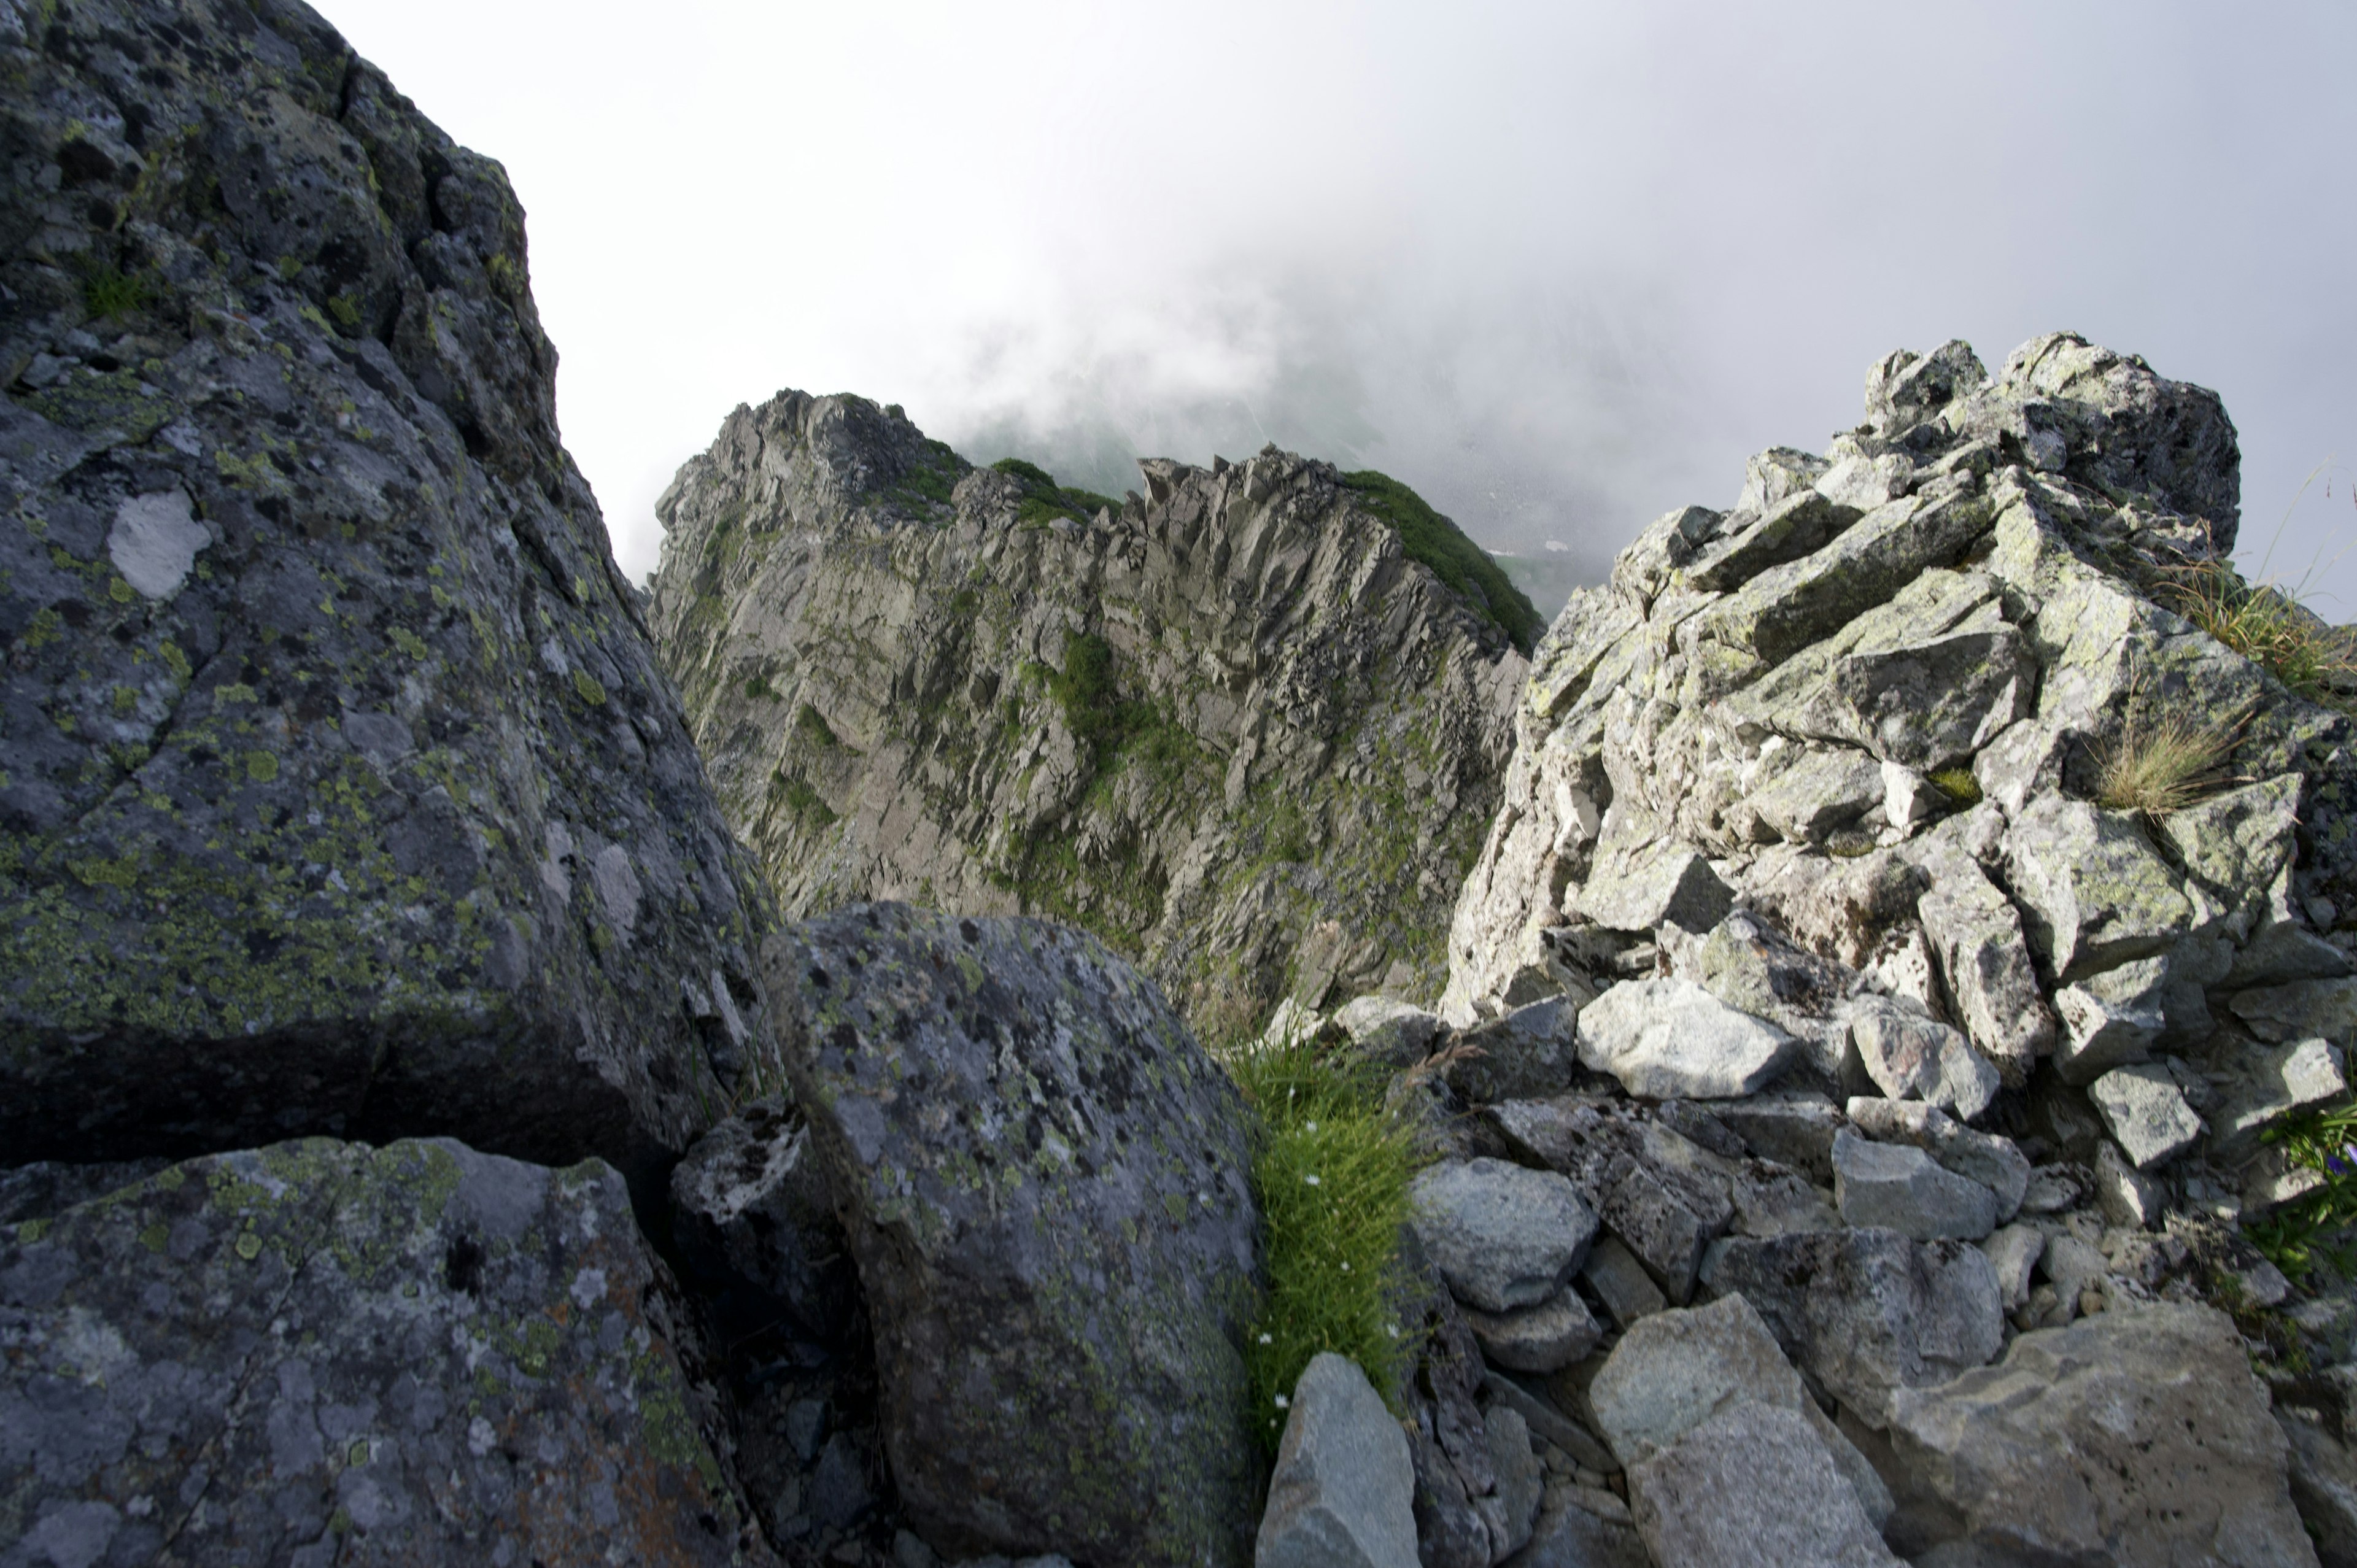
[
  {"x": 341, "y": 792},
  {"x": 318, "y": 1352},
  {"x": 1043, "y": 1181},
  {"x": 1233, "y": 728}
]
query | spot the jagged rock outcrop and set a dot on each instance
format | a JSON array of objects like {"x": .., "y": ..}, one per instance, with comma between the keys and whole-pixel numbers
[
  {"x": 1239, "y": 727},
  {"x": 341, "y": 792},
  {"x": 321, "y": 1352}
]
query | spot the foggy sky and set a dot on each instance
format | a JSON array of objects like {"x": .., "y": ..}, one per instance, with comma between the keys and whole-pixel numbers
[{"x": 1560, "y": 267}]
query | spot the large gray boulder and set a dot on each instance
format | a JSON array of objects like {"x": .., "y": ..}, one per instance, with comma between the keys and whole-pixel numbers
[
  {"x": 342, "y": 793},
  {"x": 1043, "y": 1179},
  {"x": 1866, "y": 1313},
  {"x": 320, "y": 1352},
  {"x": 2137, "y": 1436},
  {"x": 1751, "y": 1488},
  {"x": 1503, "y": 1236},
  {"x": 1343, "y": 1492},
  {"x": 1902, "y": 1189}
]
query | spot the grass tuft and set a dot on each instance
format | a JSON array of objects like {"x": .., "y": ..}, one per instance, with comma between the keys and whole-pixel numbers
[
  {"x": 1330, "y": 1168},
  {"x": 2166, "y": 764},
  {"x": 2269, "y": 627},
  {"x": 1043, "y": 498},
  {"x": 109, "y": 293},
  {"x": 1958, "y": 784}
]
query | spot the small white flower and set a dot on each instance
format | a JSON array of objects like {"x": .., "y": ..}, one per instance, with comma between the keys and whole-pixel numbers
[
  {"x": 1284, "y": 1403},
  {"x": 1312, "y": 1180},
  {"x": 1269, "y": 1339},
  {"x": 1309, "y": 1126},
  {"x": 1395, "y": 1329},
  {"x": 1346, "y": 1268}
]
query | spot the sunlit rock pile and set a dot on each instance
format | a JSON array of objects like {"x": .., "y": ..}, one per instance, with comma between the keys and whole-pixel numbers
[
  {"x": 1867, "y": 1112},
  {"x": 1232, "y": 725}
]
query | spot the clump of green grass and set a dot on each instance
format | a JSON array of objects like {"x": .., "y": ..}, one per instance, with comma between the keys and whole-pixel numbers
[
  {"x": 2165, "y": 763},
  {"x": 109, "y": 293},
  {"x": 1959, "y": 785},
  {"x": 811, "y": 725},
  {"x": 2269, "y": 627},
  {"x": 1044, "y": 499},
  {"x": 2312, "y": 1230},
  {"x": 1467, "y": 569},
  {"x": 1330, "y": 1168},
  {"x": 757, "y": 687}
]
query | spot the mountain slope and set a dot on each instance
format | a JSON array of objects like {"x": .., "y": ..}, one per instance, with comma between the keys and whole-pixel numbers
[{"x": 1236, "y": 727}]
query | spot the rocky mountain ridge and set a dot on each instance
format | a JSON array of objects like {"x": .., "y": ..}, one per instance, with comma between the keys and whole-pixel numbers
[{"x": 1244, "y": 727}]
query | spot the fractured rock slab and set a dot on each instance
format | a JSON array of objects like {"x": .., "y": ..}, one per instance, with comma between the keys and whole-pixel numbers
[
  {"x": 1752, "y": 1487},
  {"x": 1343, "y": 1491},
  {"x": 1503, "y": 1236},
  {"x": 2147, "y": 1113},
  {"x": 1671, "y": 1039},
  {"x": 1902, "y": 1189}
]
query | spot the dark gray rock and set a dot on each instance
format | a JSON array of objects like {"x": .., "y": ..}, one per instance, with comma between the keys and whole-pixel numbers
[
  {"x": 1529, "y": 1053},
  {"x": 49, "y": 1188},
  {"x": 320, "y": 1351},
  {"x": 1043, "y": 1180},
  {"x": 1342, "y": 1494},
  {"x": 1751, "y": 1488},
  {"x": 1866, "y": 1312},
  {"x": 1540, "y": 1338},
  {"x": 1621, "y": 1282},
  {"x": 1503, "y": 1236},
  {"x": 343, "y": 794},
  {"x": 1569, "y": 1536},
  {"x": 1901, "y": 1188},
  {"x": 752, "y": 1215},
  {"x": 1792, "y": 1127}
]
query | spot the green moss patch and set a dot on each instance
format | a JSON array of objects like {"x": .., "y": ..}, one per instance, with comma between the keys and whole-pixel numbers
[
  {"x": 1043, "y": 498},
  {"x": 1428, "y": 537}
]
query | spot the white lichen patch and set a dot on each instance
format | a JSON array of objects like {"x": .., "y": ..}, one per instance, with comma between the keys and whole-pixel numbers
[{"x": 154, "y": 540}]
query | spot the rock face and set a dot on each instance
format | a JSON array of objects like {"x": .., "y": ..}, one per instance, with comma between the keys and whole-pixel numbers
[
  {"x": 342, "y": 793},
  {"x": 1042, "y": 1179},
  {"x": 1238, "y": 728},
  {"x": 2134, "y": 1437},
  {"x": 321, "y": 1352}
]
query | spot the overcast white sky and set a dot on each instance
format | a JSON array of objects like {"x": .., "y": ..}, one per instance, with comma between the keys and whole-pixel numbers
[{"x": 1560, "y": 266}]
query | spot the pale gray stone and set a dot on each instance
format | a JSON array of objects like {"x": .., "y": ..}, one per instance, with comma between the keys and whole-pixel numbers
[
  {"x": 1552, "y": 1334},
  {"x": 2273, "y": 1084},
  {"x": 1503, "y": 1236},
  {"x": 1901, "y": 1188},
  {"x": 2323, "y": 1487},
  {"x": 1677, "y": 1369},
  {"x": 1824, "y": 791},
  {"x": 2145, "y": 1113},
  {"x": 1911, "y": 1055},
  {"x": 1660, "y": 883},
  {"x": 2052, "y": 1189},
  {"x": 1388, "y": 1030},
  {"x": 1670, "y": 1038},
  {"x": 2111, "y": 1019},
  {"x": 1343, "y": 1491},
  {"x": 1976, "y": 939},
  {"x": 1621, "y": 1282},
  {"x": 1751, "y": 1488},
  {"x": 2300, "y": 1010},
  {"x": 2093, "y": 893},
  {"x": 2136, "y": 1437},
  {"x": 1549, "y": 1425},
  {"x": 2014, "y": 1252},
  {"x": 1513, "y": 1507},
  {"x": 2124, "y": 1194},
  {"x": 1989, "y": 1158}
]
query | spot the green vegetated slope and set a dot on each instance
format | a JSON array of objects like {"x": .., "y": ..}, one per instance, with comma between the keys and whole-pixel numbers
[{"x": 1241, "y": 728}]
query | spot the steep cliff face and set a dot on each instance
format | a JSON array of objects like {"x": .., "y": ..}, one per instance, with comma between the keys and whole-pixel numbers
[
  {"x": 1239, "y": 727},
  {"x": 340, "y": 791}
]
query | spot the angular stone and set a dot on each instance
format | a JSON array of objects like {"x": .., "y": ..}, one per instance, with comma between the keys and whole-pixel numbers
[
  {"x": 343, "y": 793},
  {"x": 2300, "y": 1010},
  {"x": 1792, "y": 1127},
  {"x": 1671, "y": 1039},
  {"x": 2241, "y": 841},
  {"x": 2111, "y": 1019},
  {"x": 1541, "y": 1339},
  {"x": 1983, "y": 962},
  {"x": 1547, "y": 1423},
  {"x": 2273, "y": 1084},
  {"x": 1751, "y": 1488},
  {"x": 1994, "y": 1161},
  {"x": 1530, "y": 1053},
  {"x": 2093, "y": 893},
  {"x": 1661, "y": 1219},
  {"x": 1865, "y": 1312},
  {"x": 1513, "y": 1507},
  {"x": 49, "y": 1187},
  {"x": 1044, "y": 1180},
  {"x": 2014, "y": 1251},
  {"x": 1569, "y": 1536},
  {"x": 1504, "y": 1237},
  {"x": 353, "y": 1351},
  {"x": 1390, "y": 1031},
  {"x": 2137, "y": 1436},
  {"x": 1926, "y": 704},
  {"x": 1676, "y": 1369},
  {"x": 1793, "y": 527},
  {"x": 1867, "y": 482},
  {"x": 2126, "y": 1195},
  {"x": 754, "y": 1220},
  {"x": 1343, "y": 1491},
  {"x": 1911, "y": 1055},
  {"x": 1621, "y": 1282},
  {"x": 2147, "y": 1113},
  {"x": 1771, "y": 477},
  {"x": 1904, "y": 1189},
  {"x": 1773, "y": 1200},
  {"x": 2323, "y": 1487},
  {"x": 1644, "y": 889},
  {"x": 2282, "y": 950},
  {"x": 1824, "y": 791}
]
